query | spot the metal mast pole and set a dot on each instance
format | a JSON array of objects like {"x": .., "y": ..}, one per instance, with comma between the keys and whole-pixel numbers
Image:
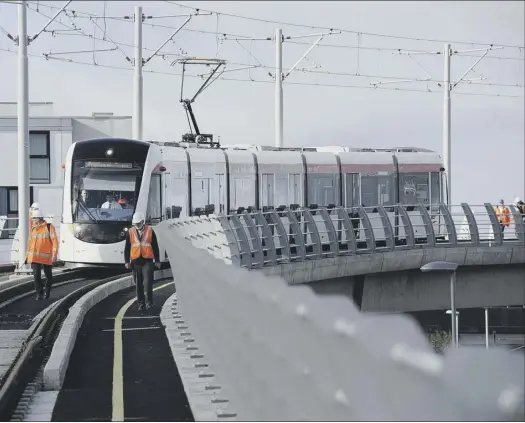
[
  {"x": 278, "y": 88},
  {"x": 137, "y": 78},
  {"x": 453, "y": 310},
  {"x": 446, "y": 124},
  {"x": 23, "y": 135}
]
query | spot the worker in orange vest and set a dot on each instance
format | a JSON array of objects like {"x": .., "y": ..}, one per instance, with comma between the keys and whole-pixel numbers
[
  {"x": 140, "y": 252},
  {"x": 503, "y": 215},
  {"x": 42, "y": 249}
]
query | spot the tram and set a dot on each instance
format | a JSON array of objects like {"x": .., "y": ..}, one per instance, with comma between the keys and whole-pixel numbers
[{"x": 107, "y": 180}]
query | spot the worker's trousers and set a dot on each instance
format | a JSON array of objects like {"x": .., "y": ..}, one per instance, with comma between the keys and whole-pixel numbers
[
  {"x": 37, "y": 274},
  {"x": 143, "y": 276}
]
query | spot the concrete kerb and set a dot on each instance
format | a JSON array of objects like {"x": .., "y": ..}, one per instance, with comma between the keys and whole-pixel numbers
[
  {"x": 200, "y": 393},
  {"x": 56, "y": 367}
]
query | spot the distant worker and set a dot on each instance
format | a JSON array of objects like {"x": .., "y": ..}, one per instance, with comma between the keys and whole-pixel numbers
[
  {"x": 110, "y": 202},
  {"x": 42, "y": 249},
  {"x": 139, "y": 253},
  {"x": 503, "y": 215}
]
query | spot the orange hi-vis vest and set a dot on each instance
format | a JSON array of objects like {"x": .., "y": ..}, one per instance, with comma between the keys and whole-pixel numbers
[
  {"x": 503, "y": 214},
  {"x": 141, "y": 247},
  {"x": 42, "y": 246}
]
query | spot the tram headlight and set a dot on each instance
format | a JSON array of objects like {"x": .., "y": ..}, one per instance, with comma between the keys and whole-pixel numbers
[
  {"x": 79, "y": 232},
  {"x": 109, "y": 152}
]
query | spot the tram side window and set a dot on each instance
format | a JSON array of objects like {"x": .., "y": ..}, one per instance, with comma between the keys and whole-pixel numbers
[
  {"x": 321, "y": 189},
  {"x": 154, "y": 210},
  {"x": 435, "y": 189},
  {"x": 377, "y": 190},
  {"x": 414, "y": 188},
  {"x": 352, "y": 189}
]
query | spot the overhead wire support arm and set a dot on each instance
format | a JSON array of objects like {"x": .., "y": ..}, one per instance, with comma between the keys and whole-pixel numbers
[
  {"x": 111, "y": 40},
  {"x": 320, "y": 35},
  {"x": 168, "y": 40},
  {"x": 8, "y": 35},
  {"x": 34, "y": 37},
  {"x": 475, "y": 63}
]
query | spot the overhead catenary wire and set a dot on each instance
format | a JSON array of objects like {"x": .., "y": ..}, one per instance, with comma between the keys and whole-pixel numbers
[
  {"x": 71, "y": 61},
  {"x": 116, "y": 44},
  {"x": 359, "y": 46},
  {"x": 293, "y": 24},
  {"x": 93, "y": 17}
]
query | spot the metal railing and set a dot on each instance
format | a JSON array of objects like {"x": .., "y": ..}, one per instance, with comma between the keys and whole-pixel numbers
[
  {"x": 251, "y": 347},
  {"x": 256, "y": 239}
]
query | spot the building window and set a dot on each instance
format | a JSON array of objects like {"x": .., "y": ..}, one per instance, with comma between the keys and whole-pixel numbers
[
  {"x": 9, "y": 209},
  {"x": 39, "y": 157}
]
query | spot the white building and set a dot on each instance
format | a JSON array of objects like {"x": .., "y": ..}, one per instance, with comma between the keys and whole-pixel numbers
[{"x": 49, "y": 139}]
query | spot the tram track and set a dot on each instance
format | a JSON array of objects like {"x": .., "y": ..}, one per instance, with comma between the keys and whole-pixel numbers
[{"x": 35, "y": 349}]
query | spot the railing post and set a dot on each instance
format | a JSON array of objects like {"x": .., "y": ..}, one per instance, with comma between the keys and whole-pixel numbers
[
  {"x": 518, "y": 224},
  {"x": 331, "y": 232},
  {"x": 238, "y": 257},
  {"x": 409, "y": 230},
  {"x": 387, "y": 227},
  {"x": 369, "y": 231},
  {"x": 472, "y": 224},
  {"x": 258, "y": 260},
  {"x": 427, "y": 221},
  {"x": 342, "y": 215},
  {"x": 269, "y": 243},
  {"x": 244, "y": 244},
  {"x": 449, "y": 222},
  {"x": 496, "y": 228},
  {"x": 281, "y": 233},
  {"x": 314, "y": 234},
  {"x": 296, "y": 229}
]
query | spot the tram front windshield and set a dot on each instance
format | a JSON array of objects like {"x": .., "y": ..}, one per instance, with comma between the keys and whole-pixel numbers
[{"x": 104, "y": 192}]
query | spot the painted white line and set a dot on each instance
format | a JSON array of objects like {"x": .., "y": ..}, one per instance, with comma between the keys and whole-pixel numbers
[{"x": 118, "y": 378}]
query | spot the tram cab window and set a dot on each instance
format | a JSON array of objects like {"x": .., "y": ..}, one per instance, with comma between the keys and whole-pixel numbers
[
  {"x": 104, "y": 192},
  {"x": 377, "y": 190},
  {"x": 414, "y": 188}
]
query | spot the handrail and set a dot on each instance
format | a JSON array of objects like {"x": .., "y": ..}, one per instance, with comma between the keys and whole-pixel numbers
[{"x": 266, "y": 238}]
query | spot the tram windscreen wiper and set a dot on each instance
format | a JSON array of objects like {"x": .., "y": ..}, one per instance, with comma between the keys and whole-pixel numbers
[{"x": 88, "y": 212}]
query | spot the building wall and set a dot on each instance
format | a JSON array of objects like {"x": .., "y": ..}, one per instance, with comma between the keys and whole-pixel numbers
[{"x": 60, "y": 132}]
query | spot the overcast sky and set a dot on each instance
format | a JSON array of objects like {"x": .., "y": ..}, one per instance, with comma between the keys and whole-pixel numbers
[{"x": 487, "y": 131}]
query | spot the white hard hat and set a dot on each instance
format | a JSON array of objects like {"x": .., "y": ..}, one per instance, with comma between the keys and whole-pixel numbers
[
  {"x": 517, "y": 200},
  {"x": 35, "y": 206},
  {"x": 138, "y": 217},
  {"x": 36, "y": 213}
]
